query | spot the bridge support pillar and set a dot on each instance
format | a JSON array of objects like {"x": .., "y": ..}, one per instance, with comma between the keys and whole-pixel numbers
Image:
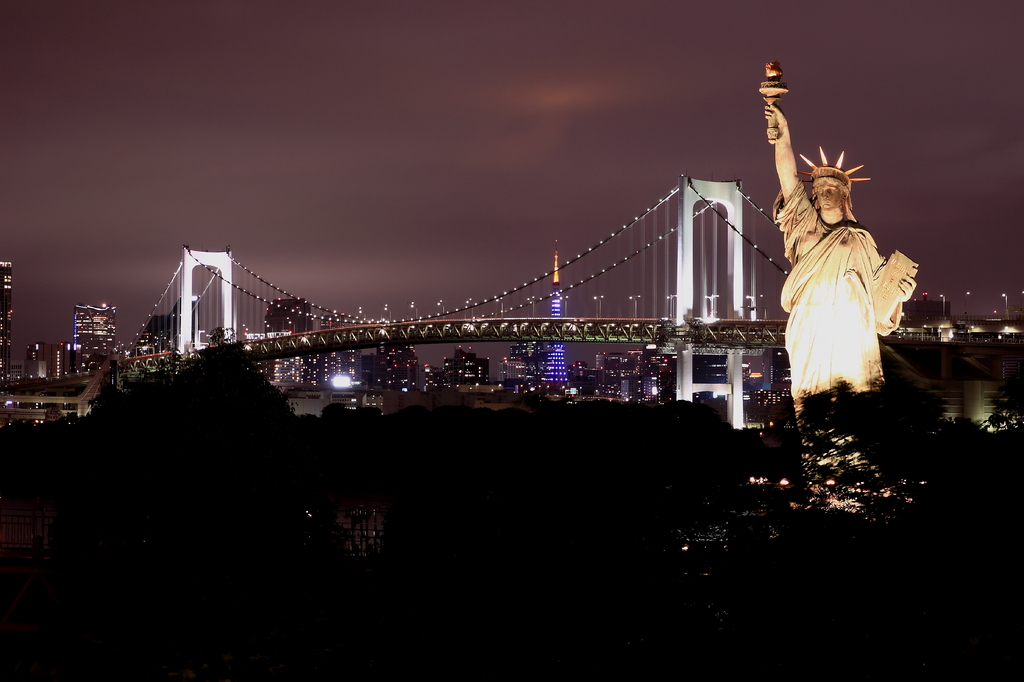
[
  {"x": 684, "y": 371},
  {"x": 733, "y": 388},
  {"x": 734, "y": 375},
  {"x": 946, "y": 355}
]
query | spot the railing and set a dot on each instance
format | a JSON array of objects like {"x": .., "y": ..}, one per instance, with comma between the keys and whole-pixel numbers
[
  {"x": 958, "y": 337},
  {"x": 362, "y": 529},
  {"x": 25, "y": 531},
  {"x": 711, "y": 334}
]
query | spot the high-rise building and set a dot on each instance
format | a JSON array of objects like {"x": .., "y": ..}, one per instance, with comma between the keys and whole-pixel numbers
[
  {"x": 47, "y": 359},
  {"x": 924, "y": 308},
  {"x": 160, "y": 333},
  {"x": 511, "y": 373},
  {"x": 5, "y": 314},
  {"x": 779, "y": 373},
  {"x": 466, "y": 368},
  {"x": 288, "y": 316},
  {"x": 615, "y": 367},
  {"x": 393, "y": 367},
  {"x": 658, "y": 372},
  {"x": 95, "y": 327},
  {"x": 338, "y": 368},
  {"x": 5, "y": 321},
  {"x": 534, "y": 357},
  {"x": 555, "y": 375}
]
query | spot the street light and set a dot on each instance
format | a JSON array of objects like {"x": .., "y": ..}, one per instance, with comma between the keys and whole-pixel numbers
[
  {"x": 711, "y": 306},
  {"x": 965, "y": 302},
  {"x": 1006, "y": 308},
  {"x": 599, "y": 300},
  {"x": 670, "y": 303},
  {"x": 943, "y": 297},
  {"x": 634, "y": 299}
]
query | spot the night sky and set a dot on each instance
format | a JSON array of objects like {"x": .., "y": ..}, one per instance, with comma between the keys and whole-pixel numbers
[{"x": 380, "y": 152}]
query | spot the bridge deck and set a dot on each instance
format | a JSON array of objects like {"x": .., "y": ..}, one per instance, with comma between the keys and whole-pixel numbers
[{"x": 724, "y": 334}]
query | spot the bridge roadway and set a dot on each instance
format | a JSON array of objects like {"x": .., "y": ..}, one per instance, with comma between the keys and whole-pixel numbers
[
  {"x": 704, "y": 336},
  {"x": 634, "y": 331},
  {"x": 479, "y": 330}
]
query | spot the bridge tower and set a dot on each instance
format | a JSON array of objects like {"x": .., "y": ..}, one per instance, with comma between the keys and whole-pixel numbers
[
  {"x": 727, "y": 195},
  {"x": 217, "y": 260}
]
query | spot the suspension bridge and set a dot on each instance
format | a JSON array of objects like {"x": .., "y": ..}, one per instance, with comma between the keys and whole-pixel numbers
[{"x": 688, "y": 275}]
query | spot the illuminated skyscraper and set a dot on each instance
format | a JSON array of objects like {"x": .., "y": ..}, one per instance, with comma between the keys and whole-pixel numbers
[
  {"x": 47, "y": 359},
  {"x": 533, "y": 356},
  {"x": 288, "y": 316},
  {"x": 94, "y": 334},
  {"x": 5, "y": 321},
  {"x": 555, "y": 375},
  {"x": 466, "y": 368}
]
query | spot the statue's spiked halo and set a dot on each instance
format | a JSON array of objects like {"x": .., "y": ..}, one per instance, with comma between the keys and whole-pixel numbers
[
  {"x": 827, "y": 171},
  {"x": 834, "y": 174}
]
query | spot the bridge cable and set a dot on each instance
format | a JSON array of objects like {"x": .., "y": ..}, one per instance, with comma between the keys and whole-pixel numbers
[
  {"x": 561, "y": 267},
  {"x": 641, "y": 251},
  {"x": 145, "y": 324},
  {"x": 734, "y": 229},
  {"x": 624, "y": 259},
  {"x": 333, "y": 314}
]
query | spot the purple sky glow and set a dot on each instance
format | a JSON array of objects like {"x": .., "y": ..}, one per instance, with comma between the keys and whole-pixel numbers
[{"x": 371, "y": 153}]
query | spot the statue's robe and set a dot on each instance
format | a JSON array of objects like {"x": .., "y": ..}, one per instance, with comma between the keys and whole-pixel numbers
[{"x": 832, "y": 335}]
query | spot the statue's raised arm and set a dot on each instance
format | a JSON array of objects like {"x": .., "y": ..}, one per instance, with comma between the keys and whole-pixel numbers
[{"x": 785, "y": 158}]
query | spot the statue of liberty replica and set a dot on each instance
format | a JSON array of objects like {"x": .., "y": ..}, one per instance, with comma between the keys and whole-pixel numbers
[{"x": 841, "y": 294}]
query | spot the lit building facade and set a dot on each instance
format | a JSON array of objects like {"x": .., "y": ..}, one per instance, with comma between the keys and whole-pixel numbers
[
  {"x": 511, "y": 373},
  {"x": 47, "y": 360},
  {"x": 614, "y": 368},
  {"x": 160, "y": 333},
  {"x": 924, "y": 308},
  {"x": 393, "y": 367},
  {"x": 6, "y": 312},
  {"x": 533, "y": 356},
  {"x": 555, "y": 375},
  {"x": 465, "y": 368},
  {"x": 658, "y": 383},
  {"x": 94, "y": 332},
  {"x": 288, "y": 316}
]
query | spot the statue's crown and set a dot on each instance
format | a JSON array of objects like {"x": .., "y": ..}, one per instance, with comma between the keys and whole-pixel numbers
[{"x": 827, "y": 171}]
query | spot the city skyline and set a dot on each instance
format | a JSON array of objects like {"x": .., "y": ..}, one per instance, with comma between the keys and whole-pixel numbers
[{"x": 330, "y": 146}]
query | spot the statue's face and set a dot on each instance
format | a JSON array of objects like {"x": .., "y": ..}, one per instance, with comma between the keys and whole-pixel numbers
[{"x": 829, "y": 196}]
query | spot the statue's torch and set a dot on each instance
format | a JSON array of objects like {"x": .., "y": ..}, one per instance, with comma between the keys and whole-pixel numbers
[{"x": 773, "y": 89}]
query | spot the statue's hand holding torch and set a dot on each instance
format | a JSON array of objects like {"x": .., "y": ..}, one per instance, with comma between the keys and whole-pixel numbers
[{"x": 773, "y": 89}]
